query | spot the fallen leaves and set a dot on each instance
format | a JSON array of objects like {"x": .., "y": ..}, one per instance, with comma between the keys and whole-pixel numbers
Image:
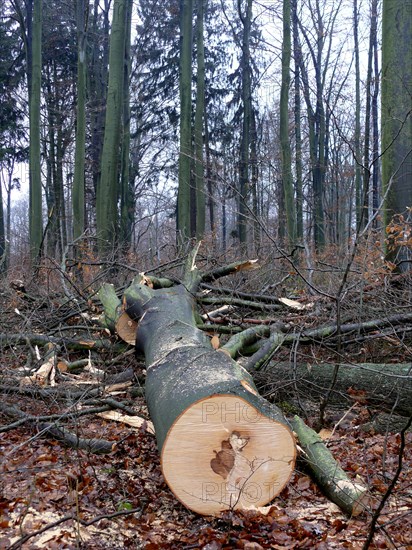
[{"x": 47, "y": 483}]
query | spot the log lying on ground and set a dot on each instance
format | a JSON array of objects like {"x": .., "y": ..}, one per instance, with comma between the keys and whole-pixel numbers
[
  {"x": 349, "y": 496},
  {"x": 54, "y": 431},
  {"x": 222, "y": 445},
  {"x": 382, "y": 423},
  {"x": 331, "y": 335},
  {"x": 7, "y": 340},
  {"x": 111, "y": 306},
  {"x": 385, "y": 386}
]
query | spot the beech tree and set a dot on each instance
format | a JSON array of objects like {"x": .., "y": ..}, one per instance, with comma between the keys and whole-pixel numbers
[
  {"x": 245, "y": 15},
  {"x": 370, "y": 155},
  {"x": 34, "y": 44},
  {"x": 2, "y": 233},
  {"x": 199, "y": 123},
  {"x": 79, "y": 158},
  {"x": 284, "y": 126},
  {"x": 297, "y": 120},
  {"x": 98, "y": 61},
  {"x": 397, "y": 114},
  {"x": 376, "y": 181},
  {"x": 108, "y": 189},
  {"x": 357, "y": 140},
  {"x": 185, "y": 148},
  {"x": 127, "y": 203}
]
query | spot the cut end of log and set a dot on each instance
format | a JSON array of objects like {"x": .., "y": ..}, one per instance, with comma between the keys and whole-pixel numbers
[
  {"x": 357, "y": 495},
  {"x": 126, "y": 329},
  {"x": 249, "y": 264},
  {"x": 222, "y": 453}
]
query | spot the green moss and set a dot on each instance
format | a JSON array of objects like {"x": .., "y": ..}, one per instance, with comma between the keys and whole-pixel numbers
[{"x": 288, "y": 408}]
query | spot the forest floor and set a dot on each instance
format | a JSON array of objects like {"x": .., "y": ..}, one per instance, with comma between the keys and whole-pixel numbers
[
  {"x": 67, "y": 498},
  {"x": 53, "y": 496}
]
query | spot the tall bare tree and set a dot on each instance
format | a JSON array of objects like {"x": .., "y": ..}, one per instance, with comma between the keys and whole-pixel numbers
[
  {"x": 127, "y": 201},
  {"x": 287, "y": 178},
  {"x": 79, "y": 158},
  {"x": 245, "y": 15},
  {"x": 185, "y": 151},
  {"x": 108, "y": 189},
  {"x": 297, "y": 114},
  {"x": 35, "y": 198},
  {"x": 199, "y": 124},
  {"x": 397, "y": 114}
]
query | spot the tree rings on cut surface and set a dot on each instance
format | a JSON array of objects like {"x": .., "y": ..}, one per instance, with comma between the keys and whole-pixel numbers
[
  {"x": 221, "y": 453},
  {"x": 126, "y": 328}
]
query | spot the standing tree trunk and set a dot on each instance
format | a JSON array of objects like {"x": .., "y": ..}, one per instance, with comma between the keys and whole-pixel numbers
[
  {"x": 254, "y": 179},
  {"x": 98, "y": 86},
  {"x": 107, "y": 192},
  {"x": 290, "y": 207},
  {"x": 358, "y": 179},
  {"x": 298, "y": 134},
  {"x": 2, "y": 234},
  {"x": 319, "y": 167},
  {"x": 364, "y": 205},
  {"x": 35, "y": 188},
  {"x": 375, "y": 111},
  {"x": 246, "y": 19},
  {"x": 126, "y": 185},
  {"x": 397, "y": 115},
  {"x": 79, "y": 158},
  {"x": 60, "y": 208},
  {"x": 185, "y": 152},
  {"x": 198, "y": 129},
  {"x": 210, "y": 181},
  {"x": 49, "y": 153}
]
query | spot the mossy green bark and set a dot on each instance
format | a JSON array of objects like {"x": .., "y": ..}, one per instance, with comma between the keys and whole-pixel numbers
[
  {"x": 108, "y": 188},
  {"x": 182, "y": 366},
  {"x": 348, "y": 495},
  {"x": 284, "y": 127}
]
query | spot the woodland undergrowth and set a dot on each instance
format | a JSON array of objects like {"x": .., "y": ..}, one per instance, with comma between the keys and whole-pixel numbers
[{"x": 59, "y": 496}]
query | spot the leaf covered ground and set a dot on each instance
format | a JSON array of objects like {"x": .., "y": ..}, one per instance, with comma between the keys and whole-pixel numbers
[{"x": 67, "y": 498}]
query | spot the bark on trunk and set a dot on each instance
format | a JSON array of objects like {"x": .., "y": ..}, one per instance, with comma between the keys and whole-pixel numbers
[
  {"x": 222, "y": 445},
  {"x": 387, "y": 387},
  {"x": 348, "y": 495}
]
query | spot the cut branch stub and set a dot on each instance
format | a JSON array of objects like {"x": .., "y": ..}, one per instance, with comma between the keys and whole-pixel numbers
[
  {"x": 111, "y": 304},
  {"x": 222, "y": 445},
  {"x": 126, "y": 328}
]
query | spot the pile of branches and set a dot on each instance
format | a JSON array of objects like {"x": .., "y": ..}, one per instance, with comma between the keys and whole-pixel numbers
[{"x": 308, "y": 350}]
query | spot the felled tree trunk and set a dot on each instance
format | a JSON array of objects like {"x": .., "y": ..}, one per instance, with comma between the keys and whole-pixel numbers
[
  {"x": 349, "y": 496},
  {"x": 384, "y": 386},
  {"x": 222, "y": 445}
]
